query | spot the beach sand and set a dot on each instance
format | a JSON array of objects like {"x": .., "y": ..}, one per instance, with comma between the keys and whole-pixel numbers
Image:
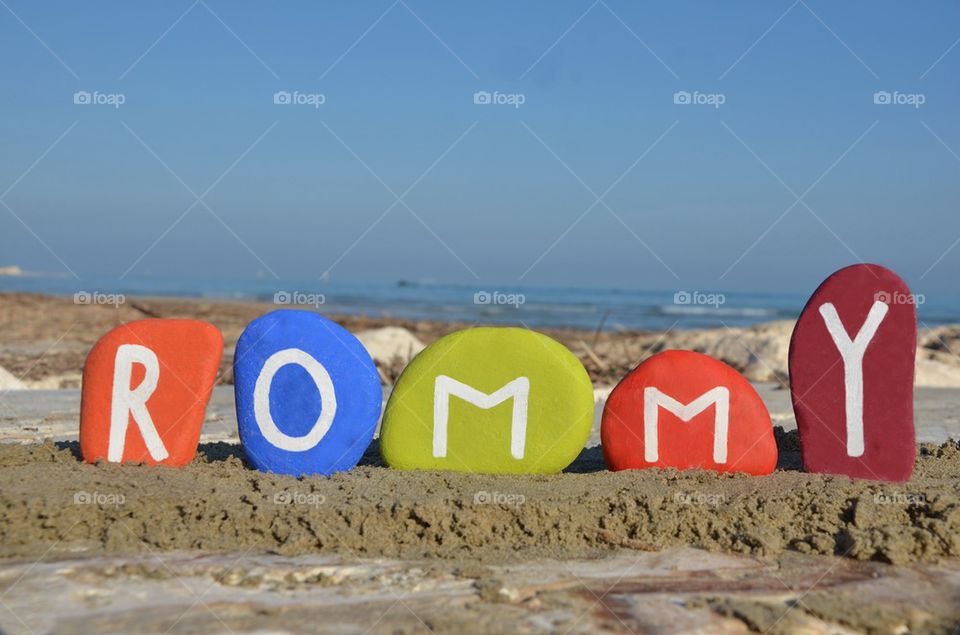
[
  {"x": 53, "y": 503},
  {"x": 219, "y": 547}
]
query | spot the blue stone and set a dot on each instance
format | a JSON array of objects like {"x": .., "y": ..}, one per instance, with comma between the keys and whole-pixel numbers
[{"x": 308, "y": 395}]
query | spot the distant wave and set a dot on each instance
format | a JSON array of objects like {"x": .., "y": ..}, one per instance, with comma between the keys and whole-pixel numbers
[
  {"x": 13, "y": 271},
  {"x": 751, "y": 312}
]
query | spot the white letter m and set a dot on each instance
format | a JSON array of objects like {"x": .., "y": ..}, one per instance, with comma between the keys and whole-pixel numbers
[
  {"x": 653, "y": 399},
  {"x": 518, "y": 389}
]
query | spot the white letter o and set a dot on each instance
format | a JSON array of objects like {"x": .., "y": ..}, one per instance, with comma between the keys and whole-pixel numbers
[{"x": 261, "y": 400}]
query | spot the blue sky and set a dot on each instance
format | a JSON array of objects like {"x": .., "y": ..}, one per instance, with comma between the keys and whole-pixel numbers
[{"x": 597, "y": 179}]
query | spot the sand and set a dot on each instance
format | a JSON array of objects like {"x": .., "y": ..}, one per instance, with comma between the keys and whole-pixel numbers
[
  {"x": 53, "y": 503},
  {"x": 218, "y": 547}
]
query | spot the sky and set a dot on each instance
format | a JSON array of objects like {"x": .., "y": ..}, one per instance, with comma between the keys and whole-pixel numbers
[{"x": 752, "y": 146}]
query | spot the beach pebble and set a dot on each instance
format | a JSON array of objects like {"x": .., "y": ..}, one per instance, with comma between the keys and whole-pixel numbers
[
  {"x": 8, "y": 381},
  {"x": 492, "y": 400},
  {"x": 686, "y": 410},
  {"x": 146, "y": 385},
  {"x": 308, "y": 395},
  {"x": 389, "y": 343},
  {"x": 855, "y": 408}
]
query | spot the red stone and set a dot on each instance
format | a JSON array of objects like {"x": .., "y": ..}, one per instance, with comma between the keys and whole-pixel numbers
[
  {"x": 818, "y": 377},
  {"x": 657, "y": 388},
  {"x": 182, "y": 357}
]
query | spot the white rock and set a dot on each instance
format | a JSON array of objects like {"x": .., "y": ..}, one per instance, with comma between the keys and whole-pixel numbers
[
  {"x": 760, "y": 352},
  {"x": 8, "y": 381},
  {"x": 12, "y": 271},
  {"x": 933, "y": 372},
  {"x": 385, "y": 344}
]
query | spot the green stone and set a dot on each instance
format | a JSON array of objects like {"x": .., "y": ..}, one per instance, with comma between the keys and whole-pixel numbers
[{"x": 484, "y": 384}]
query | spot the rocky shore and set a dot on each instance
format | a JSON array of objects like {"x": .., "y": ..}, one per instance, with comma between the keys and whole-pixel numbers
[{"x": 45, "y": 340}]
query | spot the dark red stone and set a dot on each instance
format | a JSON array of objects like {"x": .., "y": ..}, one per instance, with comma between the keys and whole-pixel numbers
[{"x": 818, "y": 385}]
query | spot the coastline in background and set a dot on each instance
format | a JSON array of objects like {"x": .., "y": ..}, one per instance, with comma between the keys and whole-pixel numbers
[{"x": 535, "y": 307}]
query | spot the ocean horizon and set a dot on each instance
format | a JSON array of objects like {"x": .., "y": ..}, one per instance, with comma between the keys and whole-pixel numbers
[{"x": 606, "y": 309}]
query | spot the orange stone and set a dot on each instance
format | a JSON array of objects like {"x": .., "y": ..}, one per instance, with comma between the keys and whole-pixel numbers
[
  {"x": 146, "y": 385},
  {"x": 687, "y": 410}
]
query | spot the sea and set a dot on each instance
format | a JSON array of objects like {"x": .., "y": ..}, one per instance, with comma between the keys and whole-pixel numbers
[{"x": 606, "y": 309}]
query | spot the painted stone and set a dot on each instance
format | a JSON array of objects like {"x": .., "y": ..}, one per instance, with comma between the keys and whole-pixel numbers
[
  {"x": 491, "y": 400},
  {"x": 687, "y": 410},
  {"x": 308, "y": 395},
  {"x": 852, "y": 360},
  {"x": 146, "y": 385}
]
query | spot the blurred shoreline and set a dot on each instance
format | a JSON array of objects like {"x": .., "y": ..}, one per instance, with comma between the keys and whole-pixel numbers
[
  {"x": 46, "y": 338},
  {"x": 609, "y": 309}
]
